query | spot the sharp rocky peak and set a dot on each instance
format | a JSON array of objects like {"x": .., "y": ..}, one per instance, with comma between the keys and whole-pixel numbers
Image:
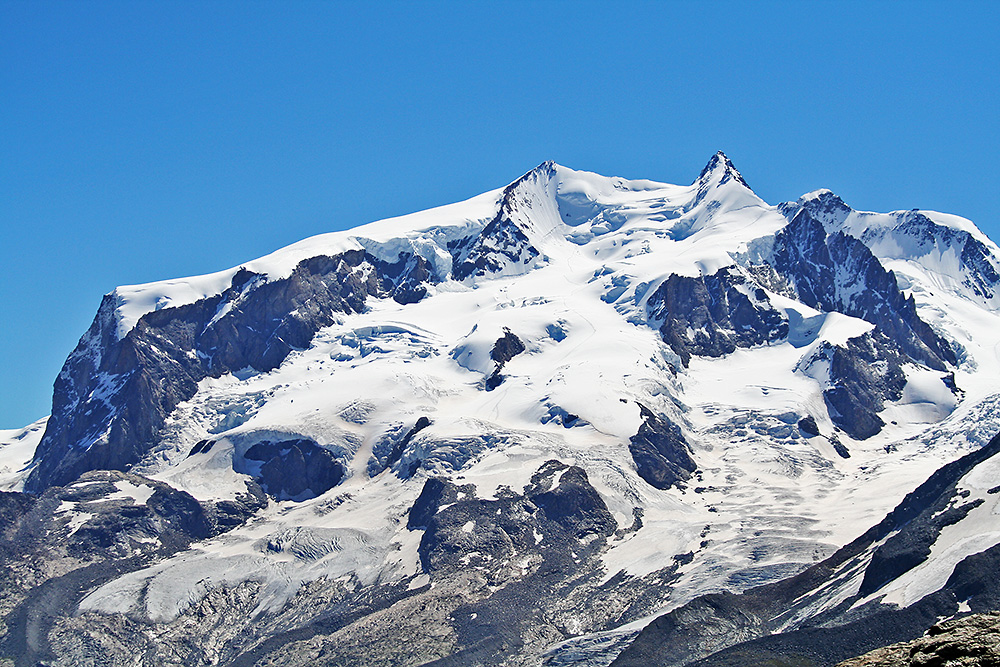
[
  {"x": 546, "y": 169},
  {"x": 720, "y": 170}
]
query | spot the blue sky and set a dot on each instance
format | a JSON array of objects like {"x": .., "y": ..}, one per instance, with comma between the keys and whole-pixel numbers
[{"x": 141, "y": 141}]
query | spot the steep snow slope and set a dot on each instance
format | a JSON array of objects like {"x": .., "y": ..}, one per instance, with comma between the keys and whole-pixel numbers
[
  {"x": 425, "y": 233},
  {"x": 17, "y": 448},
  {"x": 745, "y": 387}
]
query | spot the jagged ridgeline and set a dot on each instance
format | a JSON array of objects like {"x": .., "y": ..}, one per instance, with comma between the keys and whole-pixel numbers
[{"x": 575, "y": 420}]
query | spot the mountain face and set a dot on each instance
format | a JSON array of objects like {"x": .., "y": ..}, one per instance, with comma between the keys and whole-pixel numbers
[{"x": 577, "y": 420}]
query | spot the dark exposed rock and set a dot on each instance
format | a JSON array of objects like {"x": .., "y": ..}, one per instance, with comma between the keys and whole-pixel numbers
[
  {"x": 493, "y": 381},
  {"x": 506, "y": 348},
  {"x": 808, "y": 425},
  {"x": 557, "y": 331},
  {"x": 558, "y": 512},
  {"x": 39, "y": 607},
  {"x": 502, "y": 243},
  {"x": 390, "y": 448},
  {"x": 112, "y": 396},
  {"x": 660, "y": 452},
  {"x": 824, "y": 206},
  {"x": 716, "y": 314},
  {"x": 224, "y": 515},
  {"x": 838, "y": 272},
  {"x": 407, "y": 278},
  {"x": 719, "y": 171},
  {"x": 107, "y": 524},
  {"x": 558, "y": 415},
  {"x": 436, "y": 493},
  {"x": 909, "y": 548},
  {"x": 112, "y": 514},
  {"x": 294, "y": 469},
  {"x": 949, "y": 381},
  {"x": 982, "y": 276},
  {"x": 864, "y": 374},
  {"x": 173, "y": 517},
  {"x": 397, "y": 449},
  {"x": 565, "y": 496},
  {"x": 499, "y": 568},
  {"x": 918, "y": 235},
  {"x": 201, "y": 447},
  {"x": 13, "y": 506},
  {"x": 975, "y": 581},
  {"x": 721, "y": 163},
  {"x": 713, "y": 315},
  {"x": 508, "y": 577},
  {"x": 841, "y": 449},
  {"x": 822, "y": 646}
]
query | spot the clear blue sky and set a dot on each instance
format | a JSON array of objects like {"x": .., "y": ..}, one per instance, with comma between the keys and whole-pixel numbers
[{"x": 141, "y": 141}]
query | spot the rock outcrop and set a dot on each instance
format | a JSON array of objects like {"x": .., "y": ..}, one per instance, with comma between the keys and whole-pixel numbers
[
  {"x": 713, "y": 315},
  {"x": 837, "y": 272},
  {"x": 661, "y": 454},
  {"x": 970, "y": 641}
]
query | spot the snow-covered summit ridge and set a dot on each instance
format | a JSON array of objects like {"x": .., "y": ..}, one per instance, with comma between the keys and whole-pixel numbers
[
  {"x": 553, "y": 203},
  {"x": 942, "y": 250},
  {"x": 425, "y": 233},
  {"x": 832, "y": 207},
  {"x": 550, "y": 204},
  {"x": 709, "y": 266},
  {"x": 721, "y": 169}
]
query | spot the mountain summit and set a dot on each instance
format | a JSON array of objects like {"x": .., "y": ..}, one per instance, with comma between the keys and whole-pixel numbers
[
  {"x": 719, "y": 170},
  {"x": 511, "y": 429}
]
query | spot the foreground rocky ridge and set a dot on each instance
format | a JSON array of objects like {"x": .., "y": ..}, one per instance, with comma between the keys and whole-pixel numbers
[
  {"x": 971, "y": 641},
  {"x": 518, "y": 429}
]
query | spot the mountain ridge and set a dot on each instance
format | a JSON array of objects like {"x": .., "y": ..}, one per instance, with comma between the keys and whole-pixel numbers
[{"x": 631, "y": 392}]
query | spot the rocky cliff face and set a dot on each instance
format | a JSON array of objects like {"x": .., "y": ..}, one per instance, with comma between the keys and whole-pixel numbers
[
  {"x": 503, "y": 246},
  {"x": 662, "y": 456},
  {"x": 713, "y": 315},
  {"x": 917, "y": 236},
  {"x": 57, "y": 546},
  {"x": 113, "y": 395},
  {"x": 836, "y": 272},
  {"x": 864, "y": 375}
]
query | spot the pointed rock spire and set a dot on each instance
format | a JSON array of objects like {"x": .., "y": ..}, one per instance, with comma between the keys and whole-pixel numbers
[{"x": 720, "y": 169}]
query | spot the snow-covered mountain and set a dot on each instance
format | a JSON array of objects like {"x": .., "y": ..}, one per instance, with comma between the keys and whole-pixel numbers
[{"x": 508, "y": 430}]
